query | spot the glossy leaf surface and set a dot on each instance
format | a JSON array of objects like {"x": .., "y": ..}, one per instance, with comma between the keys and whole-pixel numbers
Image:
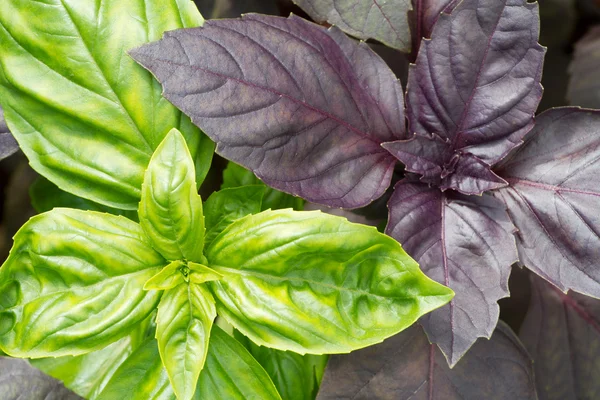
[
  {"x": 304, "y": 108},
  {"x": 171, "y": 209},
  {"x": 8, "y": 144},
  {"x": 463, "y": 242},
  {"x": 141, "y": 377},
  {"x": 19, "y": 380},
  {"x": 294, "y": 375},
  {"x": 562, "y": 334},
  {"x": 45, "y": 196},
  {"x": 408, "y": 367},
  {"x": 423, "y": 17},
  {"x": 316, "y": 283},
  {"x": 584, "y": 86},
  {"x": 553, "y": 199},
  {"x": 227, "y": 205},
  {"x": 73, "y": 283},
  {"x": 183, "y": 324},
  {"x": 235, "y": 175},
  {"x": 88, "y": 374},
  {"x": 470, "y": 95},
  {"x": 232, "y": 373},
  {"x": 87, "y": 117},
  {"x": 168, "y": 277},
  {"x": 382, "y": 20}
]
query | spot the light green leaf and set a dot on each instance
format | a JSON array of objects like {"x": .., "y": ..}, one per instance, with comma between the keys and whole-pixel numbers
[
  {"x": 294, "y": 375},
  {"x": 141, "y": 377},
  {"x": 232, "y": 373},
  {"x": 88, "y": 374},
  {"x": 315, "y": 283},
  {"x": 74, "y": 283},
  {"x": 183, "y": 324},
  {"x": 201, "y": 273},
  {"x": 235, "y": 175},
  {"x": 45, "y": 196},
  {"x": 168, "y": 277},
  {"x": 171, "y": 209},
  {"x": 85, "y": 114},
  {"x": 227, "y": 205}
]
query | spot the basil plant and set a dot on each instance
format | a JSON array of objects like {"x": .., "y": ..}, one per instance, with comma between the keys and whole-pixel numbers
[{"x": 77, "y": 281}]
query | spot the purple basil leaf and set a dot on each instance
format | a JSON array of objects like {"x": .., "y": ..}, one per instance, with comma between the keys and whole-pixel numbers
[
  {"x": 19, "y": 380},
  {"x": 407, "y": 367},
  {"x": 423, "y": 17},
  {"x": 305, "y": 108},
  {"x": 562, "y": 333},
  {"x": 584, "y": 83},
  {"x": 212, "y": 9},
  {"x": 476, "y": 84},
  {"x": 554, "y": 198},
  {"x": 463, "y": 242},
  {"x": 385, "y": 21},
  {"x": 8, "y": 144}
]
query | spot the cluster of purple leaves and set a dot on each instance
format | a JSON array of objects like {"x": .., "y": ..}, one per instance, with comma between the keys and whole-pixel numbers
[{"x": 313, "y": 113}]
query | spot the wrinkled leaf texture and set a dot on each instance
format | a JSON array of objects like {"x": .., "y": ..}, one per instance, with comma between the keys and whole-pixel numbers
[
  {"x": 230, "y": 373},
  {"x": 562, "y": 334},
  {"x": 382, "y": 20},
  {"x": 19, "y": 380},
  {"x": 463, "y": 242},
  {"x": 553, "y": 198},
  {"x": 315, "y": 283},
  {"x": 305, "y": 108},
  {"x": 183, "y": 324},
  {"x": 423, "y": 17},
  {"x": 171, "y": 210},
  {"x": 469, "y": 100},
  {"x": 87, "y": 117},
  {"x": 408, "y": 367},
  {"x": 73, "y": 283}
]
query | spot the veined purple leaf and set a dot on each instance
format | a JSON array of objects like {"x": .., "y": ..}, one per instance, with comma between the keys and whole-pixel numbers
[
  {"x": 463, "y": 242},
  {"x": 554, "y": 198},
  {"x": 562, "y": 334},
  {"x": 382, "y": 20},
  {"x": 305, "y": 108},
  {"x": 476, "y": 85},
  {"x": 407, "y": 367},
  {"x": 423, "y": 17},
  {"x": 8, "y": 144},
  {"x": 584, "y": 84}
]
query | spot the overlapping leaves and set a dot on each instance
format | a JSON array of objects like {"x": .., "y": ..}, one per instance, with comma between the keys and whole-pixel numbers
[
  {"x": 471, "y": 98},
  {"x": 338, "y": 286}
]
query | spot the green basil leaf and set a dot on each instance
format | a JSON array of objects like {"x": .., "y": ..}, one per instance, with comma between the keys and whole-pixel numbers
[
  {"x": 201, "y": 273},
  {"x": 171, "y": 209},
  {"x": 141, "y": 377},
  {"x": 232, "y": 373},
  {"x": 168, "y": 277},
  {"x": 88, "y": 374},
  {"x": 235, "y": 175},
  {"x": 76, "y": 279},
  {"x": 315, "y": 283},
  {"x": 294, "y": 375},
  {"x": 183, "y": 324},
  {"x": 85, "y": 114},
  {"x": 227, "y": 205},
  {"x": 45, "y": 196}
]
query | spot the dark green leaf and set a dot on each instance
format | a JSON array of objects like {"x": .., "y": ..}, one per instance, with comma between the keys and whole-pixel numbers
[
  {"x": 227, "y": 205},
  {"x": 316, "y": 283},
  {"x": 45, "y": 196},
  {"x": 235, "y": 175}
]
